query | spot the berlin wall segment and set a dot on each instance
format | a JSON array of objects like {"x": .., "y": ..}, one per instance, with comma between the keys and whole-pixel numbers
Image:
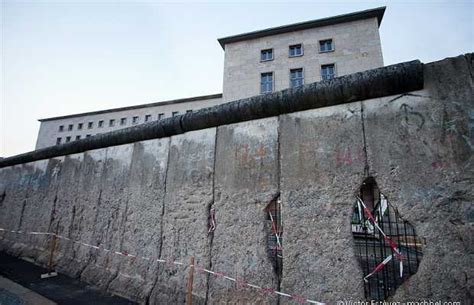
[
  {"x": 389, "y": 80},
  {"x": 153, "y": 196}
]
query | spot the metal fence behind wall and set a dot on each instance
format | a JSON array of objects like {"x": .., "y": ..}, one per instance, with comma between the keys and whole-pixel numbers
[
  {"x": 275, "y": 235},
  {"x": 371, "y": 248}
]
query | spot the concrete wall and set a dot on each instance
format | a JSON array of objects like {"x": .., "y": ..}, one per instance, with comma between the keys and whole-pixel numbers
[
  {"x": 357, "y": 48},
  {"x": 153, "y": 198},
  {"x": 49, "y": 129}
]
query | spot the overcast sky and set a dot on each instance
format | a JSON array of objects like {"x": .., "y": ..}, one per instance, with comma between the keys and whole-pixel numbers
[{"x": 65, "y": 57}]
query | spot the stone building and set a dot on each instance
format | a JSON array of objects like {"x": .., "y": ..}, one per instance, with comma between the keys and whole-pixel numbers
[
  {"x": 291, "y": 55},
  {"x": 255, "y": 63},
  {"x": 64, "y": 129}
]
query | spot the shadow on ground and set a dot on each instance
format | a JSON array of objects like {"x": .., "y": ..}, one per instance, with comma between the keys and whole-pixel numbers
[{"x": 60, "y": 289}]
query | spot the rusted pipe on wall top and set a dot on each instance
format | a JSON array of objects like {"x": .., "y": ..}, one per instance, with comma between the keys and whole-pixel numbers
[{"x": 380, "y": 82}]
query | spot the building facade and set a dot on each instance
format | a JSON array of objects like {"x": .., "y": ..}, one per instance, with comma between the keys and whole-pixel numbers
[
  {"x": 289, "y": 56},
  {"x": 255, "y": 63},
  {"x": 64, "y": 129}
]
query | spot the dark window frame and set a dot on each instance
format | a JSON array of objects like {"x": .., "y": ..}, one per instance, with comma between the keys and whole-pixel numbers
[
  {"x": 301, "y": 79},
  {"x": 323, "y": 42},
  {"x": 266, "y": 82},
  {"x": 294, "y": 46},
  {"x": 333, "y": 75},
  {"x": 264, "y": 51}
]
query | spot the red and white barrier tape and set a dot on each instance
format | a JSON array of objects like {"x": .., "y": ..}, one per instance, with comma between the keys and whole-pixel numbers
[
  {"x": 212, "y": 221},
  {"x": 277, "y": 236},
  {"x": 170, "y": 262},
  {"x": 378, "y": 267},
  {"x": 389, "y": 241}
]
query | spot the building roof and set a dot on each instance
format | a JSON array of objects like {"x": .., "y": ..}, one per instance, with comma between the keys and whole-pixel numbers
[
  {"x": 376, "y": 12},
  {"x": 178, "y": 101}
]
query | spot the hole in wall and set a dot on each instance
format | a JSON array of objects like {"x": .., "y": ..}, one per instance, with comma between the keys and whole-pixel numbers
[
  {"x": 2, "y": 197},
  {"x": 274, "y": 231},
  {"x": 386, "y": 245}
]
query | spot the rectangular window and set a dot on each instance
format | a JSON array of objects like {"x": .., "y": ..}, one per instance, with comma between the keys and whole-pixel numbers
[
  {"x": 266, "y": 82},
  {"x": 326, "y": 45},
  {"x": 101, "y": 124},
  {"x": 266, "y": 55},
  {"x": 79, "y": 126},
  {"x": 328, "y": 71},
  {"x": 78, "y": 138},
  {"x": 161, "y": 116},
  {"x": 147, "y": 117},
  {"x": 61, "y": 128},
  {"x": 88, "y": 136},
  {"x": 123, "y": 121},
  {"x": 69, "y": 127},
  {"x": 58, "y": 141},
  {"x": 175, "y": 113},
  {"x": 68, "y": 139},
  {"x": 111, "y": 123},
  {"x": 135, "y": 120},
  {"x": 90, "y": 125},
  {"x": 296, "y": 77},
  {"x": 296, "y": 50}
]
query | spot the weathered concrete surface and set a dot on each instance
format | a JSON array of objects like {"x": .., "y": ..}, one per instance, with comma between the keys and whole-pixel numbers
[
  {"x": 27, "y": 203},
  {"x": 189, "y": 195},
  {"x": 37, "y": 211},
  {"x": 420, "y": 150},
  {"x": 246, "y": 181},
  {"x": 109, "y": 218},
  {"x": 73, "y": 212},
  {"x": 142, "y": 221},
  {"x": 73, "y": 208},
  {"x": 322, "y": 165},
  {"x": 111, "y": 198},
  {"x": 153, "y": 198}
]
